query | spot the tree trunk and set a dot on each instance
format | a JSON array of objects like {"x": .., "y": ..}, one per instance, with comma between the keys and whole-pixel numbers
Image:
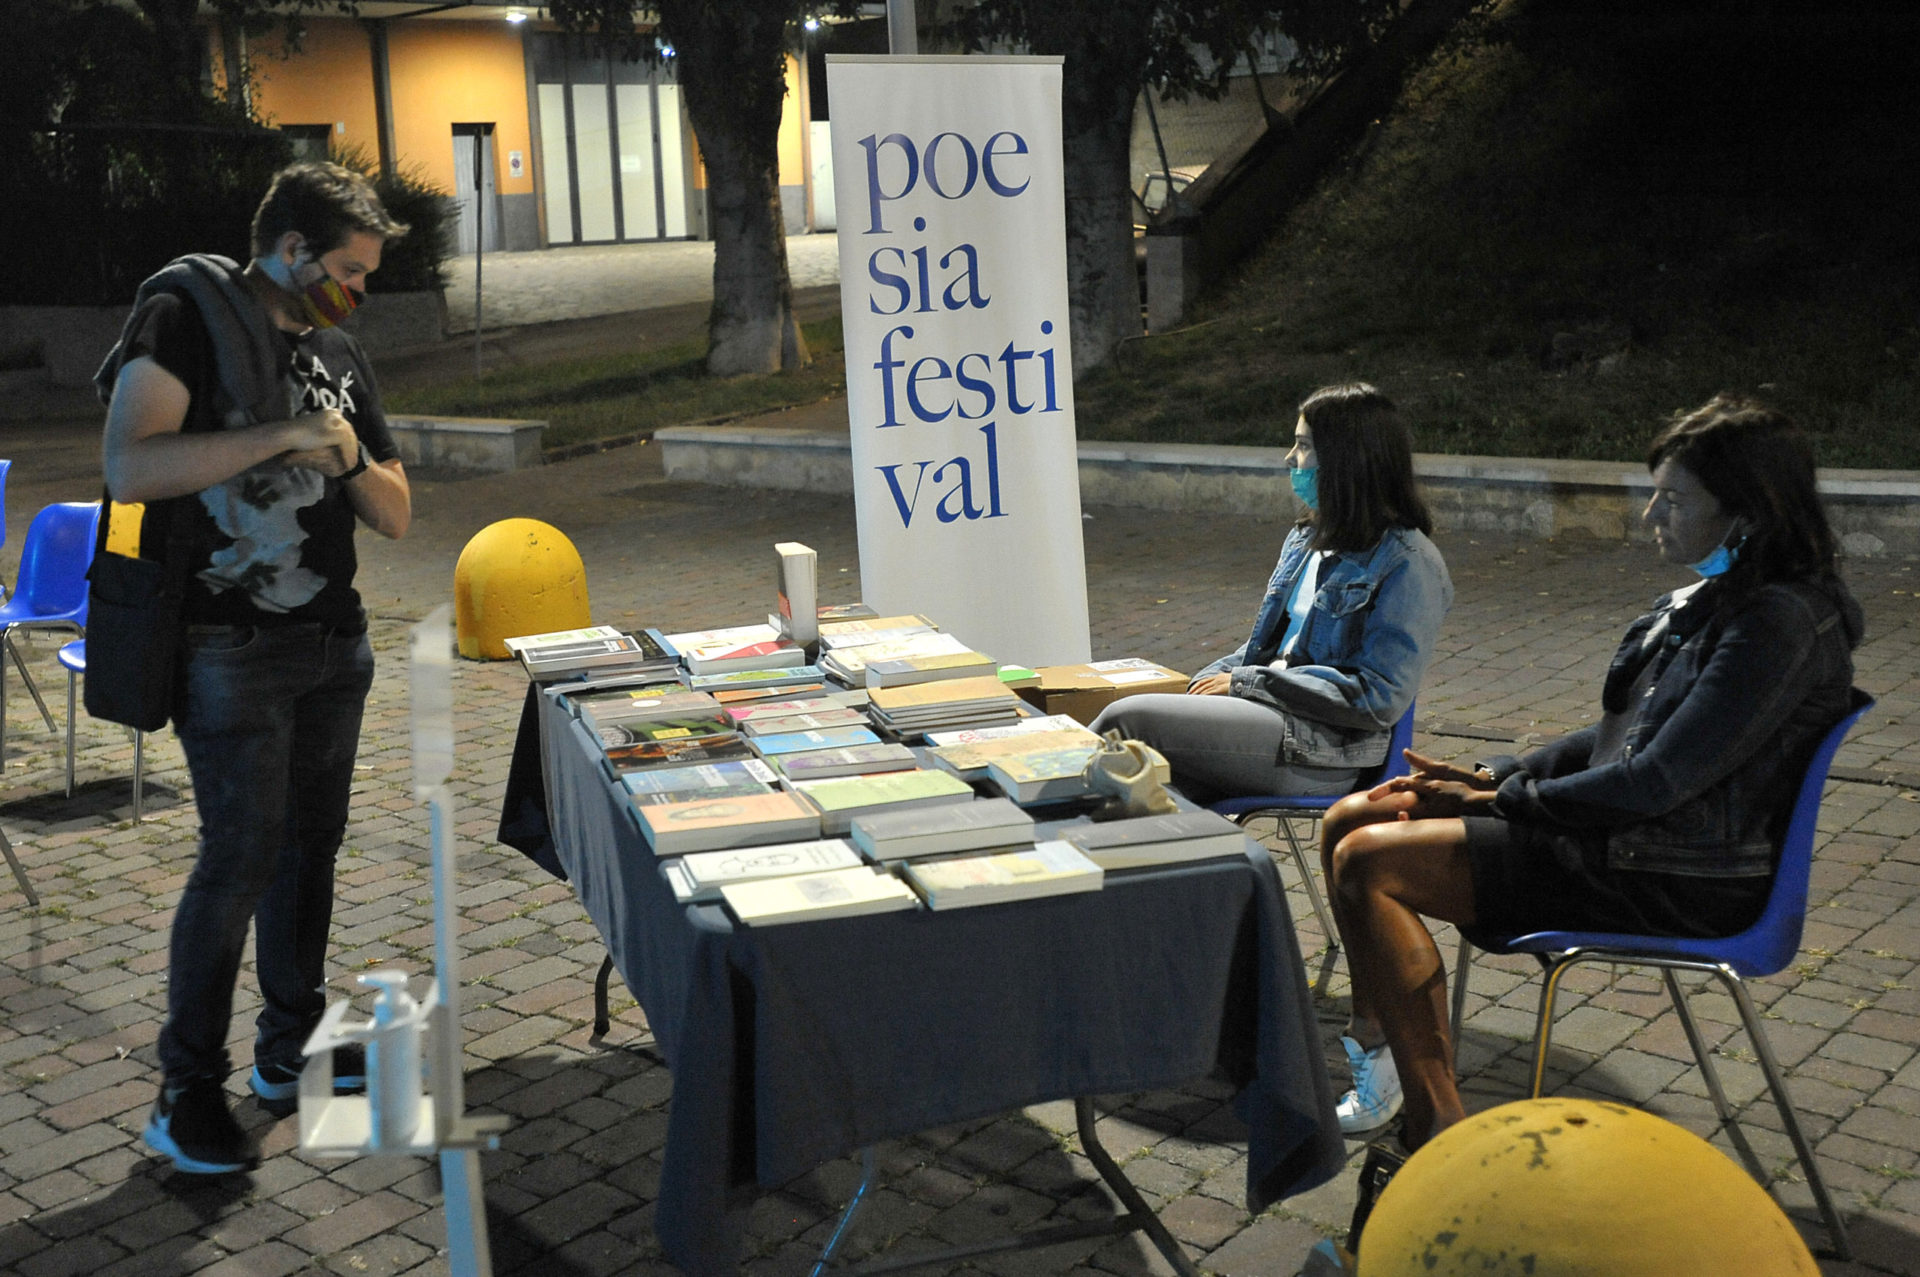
[
  {"x": 731, "y": 62},
  {"x": 1106, "y": 48}
]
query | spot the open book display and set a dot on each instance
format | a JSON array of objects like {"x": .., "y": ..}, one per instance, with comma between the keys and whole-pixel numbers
[{"x": 891, "y": 771}]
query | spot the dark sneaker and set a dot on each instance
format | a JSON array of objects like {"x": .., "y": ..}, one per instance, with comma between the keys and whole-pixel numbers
[
  {"x": 190, "y": 1124},
  {"x": 278, "y": 1085}
]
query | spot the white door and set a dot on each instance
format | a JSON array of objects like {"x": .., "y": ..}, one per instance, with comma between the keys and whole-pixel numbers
[{"x": 473, "y": 153}]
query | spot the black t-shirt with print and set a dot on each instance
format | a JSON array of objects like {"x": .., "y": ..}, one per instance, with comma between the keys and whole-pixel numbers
[{"x": 271, "y": 545}]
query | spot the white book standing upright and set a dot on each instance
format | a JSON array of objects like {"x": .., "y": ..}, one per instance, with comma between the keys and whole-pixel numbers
[{"x": 393, "y": 1117}]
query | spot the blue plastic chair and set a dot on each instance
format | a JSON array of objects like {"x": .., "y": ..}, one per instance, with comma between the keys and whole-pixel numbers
[
  {"x": 51, "y": 592},
  {"x": 1767, "y": 946},
  {"x": 73, "y": 656},
  {"x": 1284, "y": 809}
]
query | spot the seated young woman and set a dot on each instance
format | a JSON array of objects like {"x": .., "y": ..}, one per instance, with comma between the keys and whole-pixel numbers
[
  {"x": 1344, "y": 634},
  {"x": 1664, "y": 817}
]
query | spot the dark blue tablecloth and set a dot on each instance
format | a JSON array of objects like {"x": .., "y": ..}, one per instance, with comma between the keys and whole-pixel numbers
[{"x": 792, "y": 1045}]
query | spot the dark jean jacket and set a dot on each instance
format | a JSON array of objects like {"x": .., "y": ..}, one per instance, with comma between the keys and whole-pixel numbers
[
  {"x": 1366, "y": 642},
  {"x": 1742, "y": 689}
]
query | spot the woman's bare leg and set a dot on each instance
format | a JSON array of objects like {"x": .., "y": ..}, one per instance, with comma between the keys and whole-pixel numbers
[
  {"x": 1386, "y": 875},
  {"x": 1341, "y": 819}
]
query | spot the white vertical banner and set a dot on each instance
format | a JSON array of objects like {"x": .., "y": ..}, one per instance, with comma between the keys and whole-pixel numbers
[{"x": 953, "y": 292}]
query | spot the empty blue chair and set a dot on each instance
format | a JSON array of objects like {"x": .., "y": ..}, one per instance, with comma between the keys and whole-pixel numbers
[
  {"x": 51, "y": 591},
  {"x": 73, "y": 656},
  {"x": 1284, "y": 809},
  {"x": 1767, "y": 946}
]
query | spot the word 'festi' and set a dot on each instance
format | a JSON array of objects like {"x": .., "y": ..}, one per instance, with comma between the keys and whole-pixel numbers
[{"x": 929, "y": 388}]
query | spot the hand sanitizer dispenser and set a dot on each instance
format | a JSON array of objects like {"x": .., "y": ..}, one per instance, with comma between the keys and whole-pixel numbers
[{"x": 393, "y": 1060}]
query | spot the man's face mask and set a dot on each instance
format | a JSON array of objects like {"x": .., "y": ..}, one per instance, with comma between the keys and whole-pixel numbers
[{"x": 325, "y": 301}]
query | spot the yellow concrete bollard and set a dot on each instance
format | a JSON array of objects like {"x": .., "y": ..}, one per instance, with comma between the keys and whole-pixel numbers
[{"x": 517, "y": 576}]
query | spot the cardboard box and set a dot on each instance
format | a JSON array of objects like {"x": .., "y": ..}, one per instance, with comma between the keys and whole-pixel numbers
[{"x": 1082, "y": 691}]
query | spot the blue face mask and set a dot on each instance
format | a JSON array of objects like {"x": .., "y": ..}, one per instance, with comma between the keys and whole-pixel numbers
[
  {"x": 1724, "y": 556},
  {"x": 1306, "y": 486}
]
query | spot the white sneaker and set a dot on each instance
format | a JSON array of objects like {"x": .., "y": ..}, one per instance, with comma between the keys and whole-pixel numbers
[{"x": 1376, "y": 1093}]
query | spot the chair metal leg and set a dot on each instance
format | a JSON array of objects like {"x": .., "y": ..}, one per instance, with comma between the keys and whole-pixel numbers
[
  {"x": 1770, "y": 1068},
  {"x": 1543, "y": 1028},
  {"x": 1699, "y": 1045},
  {"x": 1462, "y": 968},
  {"x": 70, "y": 681},
  {"x": 19, "y": 874},
  {"x": 33, "y": 688}
]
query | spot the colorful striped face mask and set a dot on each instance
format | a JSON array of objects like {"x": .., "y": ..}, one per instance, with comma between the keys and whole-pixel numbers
[{"x": 325, "y": 301}]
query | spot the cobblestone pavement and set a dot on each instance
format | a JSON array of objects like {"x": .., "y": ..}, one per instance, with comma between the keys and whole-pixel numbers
[
  {"x": 575, "y": 283},
  {"x": 82, "y": 977}
]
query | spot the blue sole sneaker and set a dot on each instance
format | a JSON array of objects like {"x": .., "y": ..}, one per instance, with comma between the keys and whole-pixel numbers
[
  {"x": 277, "y": 1086},
  {"x": 191, "y": 1126}
]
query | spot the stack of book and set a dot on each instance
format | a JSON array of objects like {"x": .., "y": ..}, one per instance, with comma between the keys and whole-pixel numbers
[
  {"x": 1158, "y": 840},
  {"x": 858, "y": 631},
  {"x": 1045, "y": 869},
  {"x": 944, "y": 705},
  {"x": 835, "y": 893},
  {"x": 628, "y": 719},
  {"x": 849, "y": 663},
  {"x": 652, "y": 786},
  {"x": 770, "y": 744},
  {"x": 697, "y": 879},
  {"x": 738, "y": 647},
  {"x": 904, "y": 671},
  {"x": 720, "y": 747},
  {"x": 933, "y": 831},
  {"x": 736, "y": 687},
  {"x": 846, "y": 760},
  {"x": 969, "y": 760},
  {"x": 564, "y": 653},
  {"x": 829, "y": 709},
  {"x": 1043, "y": 773},
  {"x": 704, "y": 824},
  {"x": 843, "y": 799}
]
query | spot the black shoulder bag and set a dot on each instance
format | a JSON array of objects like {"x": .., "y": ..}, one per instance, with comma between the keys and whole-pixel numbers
[{"x": 133, "y": 626}]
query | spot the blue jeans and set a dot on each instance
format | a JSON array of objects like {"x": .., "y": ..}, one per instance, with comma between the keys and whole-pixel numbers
[{"x": 270, "y": 722}]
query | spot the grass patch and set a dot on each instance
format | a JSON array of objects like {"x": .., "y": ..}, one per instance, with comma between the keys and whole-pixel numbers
[
  {"x": 1577, "y": 220},
  {"x": 606, "y": 396}
]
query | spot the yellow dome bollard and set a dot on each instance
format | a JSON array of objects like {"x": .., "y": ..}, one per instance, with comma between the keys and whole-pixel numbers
[
  {"x": 1565, "y": 1187},
  {"x": 517, "y": 576}
]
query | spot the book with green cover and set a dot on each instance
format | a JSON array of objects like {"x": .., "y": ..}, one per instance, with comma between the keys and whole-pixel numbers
[{"x": 843, "y": 798}]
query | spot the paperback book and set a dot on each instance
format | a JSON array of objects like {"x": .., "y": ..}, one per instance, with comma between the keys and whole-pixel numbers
[
  {"x": 705, "y": 824},
  {"x": 969, "y": 761},
  {"x": 900, "y": 671},
  {"x": 561, "y": 659},
  {"x": 755, "y": 695},
  {"x": 837, "y": 613},
  {"x": 849, "y": 664},
  {"x": 836, "y": 893},
  {"x": 702, "y": 780},
  {"x": 768, "y": 654},
  {"x": 848, "y": 760},
  {"x": 787, "y": 678},
  {"x": 1045, "y": 869},
  {"x": 844, "y": 799},
  {"x": 561, "y": 638},
  {"x": 1043, "y": 775},
  {"x": 1144, "y": 841},
  {"x": 681, "y": 727},
  {"x": 831, "y": 738},
  {"x": 749, "y": 713},
  {"x": 719, "y": 748},
  {"x": 1024, "y": 727},
  {"x": 648, "y": 701},
  {"x": 835, "y": 630},
  {"x": 931, "y": 831},
  {"x": 827, "y": 716},
  {"x": 797, "y": 567},
  {"x": 697, "y": 878}
]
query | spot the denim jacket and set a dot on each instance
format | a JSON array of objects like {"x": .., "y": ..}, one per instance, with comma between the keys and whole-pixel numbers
[
  {"x": 1363, "y": 647},
  {"x": 1741, "y": 690}
]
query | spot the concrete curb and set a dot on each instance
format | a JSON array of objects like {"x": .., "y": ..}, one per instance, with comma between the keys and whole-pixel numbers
[{"x": 1876, "y": 512}]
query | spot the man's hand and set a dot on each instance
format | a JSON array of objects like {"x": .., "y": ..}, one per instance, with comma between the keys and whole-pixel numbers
[
  {"x": 1433, "y": 769},
  {"x": 329, "y": 444},
  {"x": 1212, "y": 685}
]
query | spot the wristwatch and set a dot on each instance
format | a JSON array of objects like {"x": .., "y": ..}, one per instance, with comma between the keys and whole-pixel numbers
[{"x": 359, "y": 467}]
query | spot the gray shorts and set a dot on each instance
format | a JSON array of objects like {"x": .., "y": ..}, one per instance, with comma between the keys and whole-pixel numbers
[{"x": 1220, "y": 746}]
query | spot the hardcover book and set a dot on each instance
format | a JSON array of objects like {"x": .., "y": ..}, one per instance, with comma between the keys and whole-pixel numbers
[
  {"x": 697, "y": 878},
  {"x": 701, "y": 780},
  {"x": 837, "y": 893},
  {"x": 705, "y": 824},
  {"x": 849, "y": 760},
  {"x": 844, "y": 798},
  {"x": 1045, "y": 869},
  {"x": 989, "y": 822}
]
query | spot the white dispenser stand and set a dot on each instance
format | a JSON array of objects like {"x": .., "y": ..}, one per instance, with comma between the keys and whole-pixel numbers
[{"x": 344, "y": 1125}]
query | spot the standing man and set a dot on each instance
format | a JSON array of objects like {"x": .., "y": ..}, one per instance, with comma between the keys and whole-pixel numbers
[{"x": 250, "y": 427}]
